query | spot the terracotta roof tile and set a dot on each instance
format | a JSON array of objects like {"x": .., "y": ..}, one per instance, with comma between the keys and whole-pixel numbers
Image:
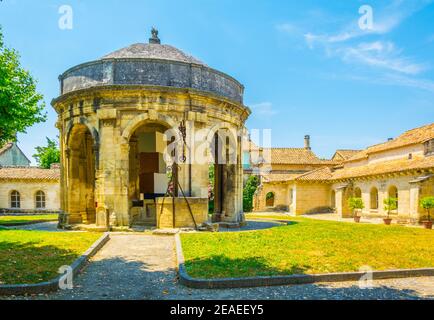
[
  {"x": 279, "y": 177},
  {"x": 414, "y": 136},
  {"x": 291, "y": 156},
  {"x": 321, "y": 174},
  {"x": 28, "y": 173},
  {"x": 384, "y": 167},
  {"x": 343, "y": 155}
]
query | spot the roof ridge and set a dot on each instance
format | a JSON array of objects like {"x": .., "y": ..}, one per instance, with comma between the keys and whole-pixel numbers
[{"x": 312, "y": 171}]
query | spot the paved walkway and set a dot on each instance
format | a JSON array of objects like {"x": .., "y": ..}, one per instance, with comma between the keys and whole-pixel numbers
[{"x": 132, "y": 266}]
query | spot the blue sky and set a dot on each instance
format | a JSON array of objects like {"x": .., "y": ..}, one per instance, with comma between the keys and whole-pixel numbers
[{"x": 307, "y": 66}]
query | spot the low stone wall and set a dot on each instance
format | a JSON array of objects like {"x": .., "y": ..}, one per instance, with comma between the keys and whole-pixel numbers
[{"x": 183, "y": 217}]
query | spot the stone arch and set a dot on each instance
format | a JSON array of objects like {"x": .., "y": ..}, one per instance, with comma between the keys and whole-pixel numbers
[
  {"x": 81, "y": 164},
  {"x": 81, "y": 121},
  {"x": 357, "y": 192},
  {"x": 270, "y": 198},
  {"x": 374, "y": 198},
  {"x": 141, "y": 119},
  {"x": 392, "y": 192},
  {"x": 225, "y": 163}
]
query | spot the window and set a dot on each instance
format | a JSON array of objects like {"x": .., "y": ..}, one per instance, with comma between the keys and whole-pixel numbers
[
  {"x": 15, "y": 200},
  {"x": 357, "y": 193},
  {"x": 40, "y": 200},
  {"x": 374, "y": 198},
  {"x": 269, "y": 199}
]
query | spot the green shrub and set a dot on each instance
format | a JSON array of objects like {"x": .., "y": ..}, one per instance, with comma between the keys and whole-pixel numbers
[
  {"x": 390, "y": 204},
  {"x": 355, "y": 204},
  {"x": 427, "y": 203},
  {"x": 248, "y": 192}
]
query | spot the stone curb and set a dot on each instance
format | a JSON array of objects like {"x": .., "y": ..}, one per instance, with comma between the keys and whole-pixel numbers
[
  {"x": 53, "y": 285},
  {"x": 264, "y": 281}
]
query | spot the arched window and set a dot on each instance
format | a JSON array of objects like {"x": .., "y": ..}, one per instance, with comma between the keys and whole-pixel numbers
[
  {"x": 393, "y": 193},
  {"x": 333, "y": 199},
  {"x": 40, "y": 200},
  {"x": 374, "y": 198},
  {"x": 15, "y": 200},
  {"x": 357, "y": 192},
  {"x": 269, "y": 199}
]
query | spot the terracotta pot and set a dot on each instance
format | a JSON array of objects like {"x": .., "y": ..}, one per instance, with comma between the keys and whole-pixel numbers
[
  {"x": 387, "y": 221},
  {"x": 357, "y": 219},
  {"x": 427, "y": 224}
]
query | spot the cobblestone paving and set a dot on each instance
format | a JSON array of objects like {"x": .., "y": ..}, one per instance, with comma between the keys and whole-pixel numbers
[{"x": 132, "y": 266}]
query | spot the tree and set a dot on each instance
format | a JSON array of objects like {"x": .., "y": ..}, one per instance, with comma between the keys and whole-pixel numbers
[
  {"x": 356, "y": 204},
  {"x": 248, "y": 192},
  {"x": 20, "y": 105},
  {"x": 390, "y": 204},
  {"x": 427, "y": 203},
  {"x": 47, "y": 155}
]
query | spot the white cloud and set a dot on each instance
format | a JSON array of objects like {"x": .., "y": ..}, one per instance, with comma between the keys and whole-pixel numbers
[
  {"x": 263, "y": 109},
  {"x": 380, "y": 54}
]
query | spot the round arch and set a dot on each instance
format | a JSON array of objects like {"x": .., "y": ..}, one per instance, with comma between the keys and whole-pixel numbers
[
  {"x": 81, "y": 121},
  {"x": 144, "y": 118}
]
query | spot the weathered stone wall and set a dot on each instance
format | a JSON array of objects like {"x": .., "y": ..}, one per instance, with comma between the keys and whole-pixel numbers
[
  {"x": 183, "y": 218},
  {"x": 281, "y": 197},
  {"x": 115, "y": 116},
  {"x": 27, "y": 190},
  {"x": 153, "y": 73},
  {"x": 310, "y": 196}
]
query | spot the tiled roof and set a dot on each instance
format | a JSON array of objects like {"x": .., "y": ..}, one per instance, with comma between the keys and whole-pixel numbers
[
  {"x": 279, "y": 177},
  {"x": 345, "y": 154},
  {"x": 28, "y": 173},
  {"x": 414, "y": 136},
  {"x": 384, "y": 167},
  {"x": 291, "y": 156},
  {"x": 320, "y": 174},
  {"x": 6, "y": 147}
]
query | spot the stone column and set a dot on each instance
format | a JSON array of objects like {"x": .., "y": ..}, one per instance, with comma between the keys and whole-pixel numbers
[{"x": 414, "y": 201}]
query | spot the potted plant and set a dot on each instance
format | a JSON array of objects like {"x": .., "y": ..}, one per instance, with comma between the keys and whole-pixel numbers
[
  {"x": 427, "y": 203},
  {"x": 356, "y": 205},
  {"x": 390, "y": 204}
]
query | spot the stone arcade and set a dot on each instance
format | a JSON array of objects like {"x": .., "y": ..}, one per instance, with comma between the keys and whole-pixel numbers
[{"x": 113, "y": 115}]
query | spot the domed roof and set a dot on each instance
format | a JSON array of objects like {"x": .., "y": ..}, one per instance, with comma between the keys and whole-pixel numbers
[
  {"x": 152, "y": 51},
  {"x": 151, "y": 64}
]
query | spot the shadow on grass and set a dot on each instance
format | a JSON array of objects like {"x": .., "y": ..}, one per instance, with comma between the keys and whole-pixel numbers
[
  {"x": 29, "y": 262},
  {"x": 219, "y": 266}
]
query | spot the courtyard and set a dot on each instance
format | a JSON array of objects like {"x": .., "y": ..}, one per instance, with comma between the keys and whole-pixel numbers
[{"x": 135, "y": 265}]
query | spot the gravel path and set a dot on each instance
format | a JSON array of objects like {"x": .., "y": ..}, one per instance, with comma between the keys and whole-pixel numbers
[{"x": 132, "y": 266}]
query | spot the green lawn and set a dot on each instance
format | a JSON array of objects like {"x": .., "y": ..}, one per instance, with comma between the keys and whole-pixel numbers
[
  {"x": 35, "y": 256},
  {"x": 307, "y": 246},
  {"x": 15, "y": 220}
]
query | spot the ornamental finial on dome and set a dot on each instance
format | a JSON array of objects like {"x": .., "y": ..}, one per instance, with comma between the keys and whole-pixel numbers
[{"x": 154, "y": 39}]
